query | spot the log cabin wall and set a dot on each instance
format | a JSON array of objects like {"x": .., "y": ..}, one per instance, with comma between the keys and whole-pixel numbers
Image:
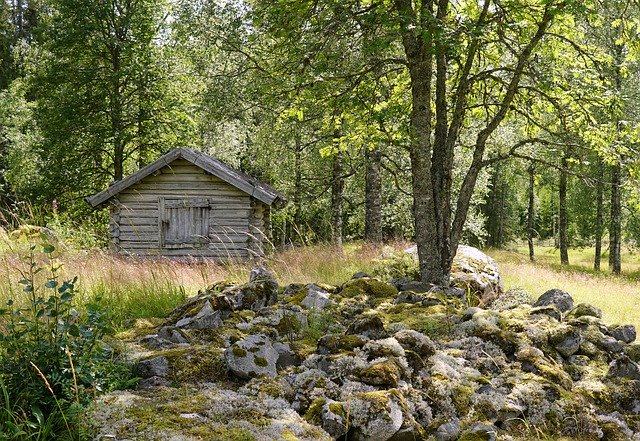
[{"x": 181, "y": 210}]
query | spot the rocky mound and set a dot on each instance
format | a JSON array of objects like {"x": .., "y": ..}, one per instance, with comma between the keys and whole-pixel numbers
[{"x": 366, "y": 361}]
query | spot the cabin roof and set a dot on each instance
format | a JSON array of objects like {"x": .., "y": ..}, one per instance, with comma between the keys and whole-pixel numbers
[{"x": 250, "y": 185}]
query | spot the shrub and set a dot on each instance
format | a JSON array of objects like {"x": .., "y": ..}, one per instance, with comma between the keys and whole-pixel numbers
[{"x": 52, "y": 358}]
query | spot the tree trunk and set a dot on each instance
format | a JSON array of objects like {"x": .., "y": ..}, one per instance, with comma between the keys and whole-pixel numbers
[
  {"x": 494, "y": 209},
  {"x": 531, "y": 214},
  {"x": 437, "y": 237},
  {"x": 615, "y": 229},
  {"x": 337, "y": 187},
  {"x": 297, "y": 187},
  {"x": 373, "y": 197},
  {"x": 563, "y": 217},
  {"x": 599, "y": 215}
]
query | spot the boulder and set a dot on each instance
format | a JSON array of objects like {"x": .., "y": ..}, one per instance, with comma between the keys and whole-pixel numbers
[
  {"x": 254, "y": 295},
  {"x": 416, "y": 341},
  {"x": 585, "y": 310},
  {"x": 375, "y": 416},
  {"x": 474, "y": 269},
  {"x": 253, "y": 356},
  {"x": 206, "y": 318},
  {"x": 566, "y": 340},
  {"x": 624, "y": 367},
  {"x": 370, "y": 326},
  {"x": 172, "y": 334},
  {"x": 560, "y": 299},
  {"x": 624, "y": 333},
  {"x": 316, "y": 298},
  {"x": 153, "y": 367}
]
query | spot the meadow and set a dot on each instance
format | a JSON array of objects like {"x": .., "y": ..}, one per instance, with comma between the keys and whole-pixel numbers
[
  {"x": 133, "y": 288},
  {"x": 617, "y": 296}
]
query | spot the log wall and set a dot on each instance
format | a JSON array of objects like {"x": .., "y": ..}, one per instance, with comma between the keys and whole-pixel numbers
[{"x": 183, "y": 211}]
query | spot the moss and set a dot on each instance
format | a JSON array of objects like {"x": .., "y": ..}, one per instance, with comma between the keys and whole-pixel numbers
[
  {"x": 239, "y": 352},
  {"x": 381, "y": 374},
  {"x": 298, "y": 297},
  {"x": 196, "y": 364},
  {"x": 140, "y": 328},
  {"x": 313, "y": 415},
  {"x": 260, "y": 361},
  {"x": 337, "y": 409},
  {"x": 370, "y": 287},
  {"x": 289, "y": 325},
  {"x": 341, "y": 343}
]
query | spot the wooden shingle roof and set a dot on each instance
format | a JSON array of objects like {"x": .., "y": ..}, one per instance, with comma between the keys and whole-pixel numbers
[{"x": 248, "y": 184}]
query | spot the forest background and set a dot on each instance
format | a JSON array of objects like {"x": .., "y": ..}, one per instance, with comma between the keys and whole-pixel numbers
[{"x": 319, "y": 99}]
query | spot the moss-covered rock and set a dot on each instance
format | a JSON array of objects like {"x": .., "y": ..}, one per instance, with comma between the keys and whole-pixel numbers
[{"x": 372, "y": 288}]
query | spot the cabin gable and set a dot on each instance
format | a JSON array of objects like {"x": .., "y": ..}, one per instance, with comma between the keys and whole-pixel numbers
[{"x": 181, "y": 210}]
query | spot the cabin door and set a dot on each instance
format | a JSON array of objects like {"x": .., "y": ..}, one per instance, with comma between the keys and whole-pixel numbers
[{"x": 184, "y": 223}]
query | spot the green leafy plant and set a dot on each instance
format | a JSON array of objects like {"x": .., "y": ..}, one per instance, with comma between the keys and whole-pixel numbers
[{"x": 52, "y": 359}]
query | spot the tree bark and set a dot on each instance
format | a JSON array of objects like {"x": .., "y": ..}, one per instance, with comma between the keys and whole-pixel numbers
[
  {"x": 373, "y": 197},
  {"x": 599, "y": 215},
  {"x": 494, "y": 209},
  {"x": 297, "y": 187},
  {"x": 531, "y": 214},
  {"x": 337, "y": 187},
  {"x": 563, "y": 216},
  {"x": 615, "y": 229}
]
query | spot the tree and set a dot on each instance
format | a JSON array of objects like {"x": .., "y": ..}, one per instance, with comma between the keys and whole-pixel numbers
[{"x": 106, "y": 99}]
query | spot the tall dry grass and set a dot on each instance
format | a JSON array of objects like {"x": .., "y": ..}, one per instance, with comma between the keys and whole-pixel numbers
[
  {"x": 130, "y": 287},
  {"x": 617, "y": 296}
]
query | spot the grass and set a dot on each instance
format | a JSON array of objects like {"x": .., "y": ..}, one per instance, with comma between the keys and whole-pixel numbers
[
  {"x": 138, "y": 288},
  {"x": 617, "y": 296},
  {"x": 133, "y": 288}
]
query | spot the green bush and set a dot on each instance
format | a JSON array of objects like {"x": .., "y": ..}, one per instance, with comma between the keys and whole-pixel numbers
[
  {"x": 398, "y": 266},
  {"x": 52, "y": 358}
]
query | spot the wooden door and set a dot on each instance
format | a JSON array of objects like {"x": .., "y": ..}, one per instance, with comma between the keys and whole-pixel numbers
[{"x": 184, "y": 223}]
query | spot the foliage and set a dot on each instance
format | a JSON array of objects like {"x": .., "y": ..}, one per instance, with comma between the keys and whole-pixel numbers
[{"x": 52, "y": 358}]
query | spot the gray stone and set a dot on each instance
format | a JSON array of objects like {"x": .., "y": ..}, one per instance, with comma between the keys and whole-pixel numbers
[
  {"x": 286, "y": 356},
  {"x": 370, "y": 421},
  {"x": 448, "y": 431},
  {"x": 151, "y": 382},
  {"x": 585, "y": 309},
  {"x": 361, "y": 275},
  {"x": 611, "y": 345},
  {"x": 511, "y": 299},
  {"x": 624, "y": 333},
  {"x": 171, "y": 334},
  {"x": 548, "y": 310},
  {"x": 153, "y": 367},
  {"x": 561, "y": 299},
  {"x": 415, "y": 286},
  {"x": 206, "y": 318},
  {"x": 370, "y": 326},
  {"x": 566, "y": 340},
  {"x": 252, "y": 356},
  {"x": 416, "y": 341},
  {"x": 624, "y": 367},
  {"x": 333, "y": 422},
  {"x": 408, "y": 297},
  {"x": 154, "y": 342},
  {"x": 471, "y": 268},
  {"x": 482, "y": 432},
  {"x": 316, "y": 298}
]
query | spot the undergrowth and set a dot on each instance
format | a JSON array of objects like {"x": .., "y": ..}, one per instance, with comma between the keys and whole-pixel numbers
[{"x": 52, "y": 357}]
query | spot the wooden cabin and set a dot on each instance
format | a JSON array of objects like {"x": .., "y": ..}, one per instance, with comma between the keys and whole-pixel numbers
[{"x": 188, "y": 203}]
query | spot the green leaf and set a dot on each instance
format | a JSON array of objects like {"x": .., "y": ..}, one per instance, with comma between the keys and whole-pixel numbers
[
  {"x": 48, "y": 248},
  {"x": 51, "y": 284}
]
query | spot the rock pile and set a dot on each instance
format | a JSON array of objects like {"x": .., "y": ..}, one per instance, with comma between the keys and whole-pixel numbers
[{"x": 365, "y": 361}]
